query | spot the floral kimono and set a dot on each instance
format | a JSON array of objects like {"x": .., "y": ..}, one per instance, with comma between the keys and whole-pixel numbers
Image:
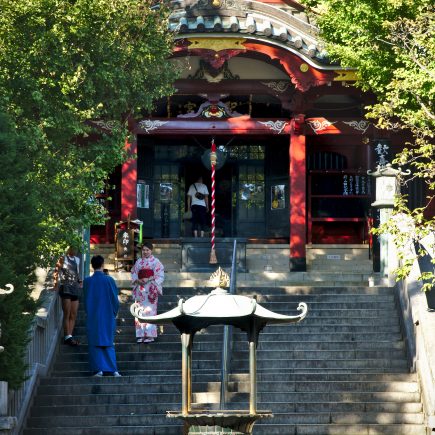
[{"x": 147, "y": 295}]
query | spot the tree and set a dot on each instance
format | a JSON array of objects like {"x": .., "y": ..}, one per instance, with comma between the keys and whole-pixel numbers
[
  {"x": 63, "y": 63},
  {"x": 18, "y": 212},
  {"x": 391, "y": 44}
]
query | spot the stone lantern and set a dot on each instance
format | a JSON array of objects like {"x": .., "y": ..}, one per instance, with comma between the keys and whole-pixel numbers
[
  {"x": 219, "y": 307},
  {"x": 387, "y": 185},
  {"x": 387, "y": 188}
]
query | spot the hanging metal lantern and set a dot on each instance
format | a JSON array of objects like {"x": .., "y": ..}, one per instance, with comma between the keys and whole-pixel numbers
[{"x": 221, "y": 158}]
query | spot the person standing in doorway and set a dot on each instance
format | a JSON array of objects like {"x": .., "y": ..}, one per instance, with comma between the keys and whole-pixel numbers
[
  {"x": 101, "y": 305},
  {"x": 147, "y": 276},
  {"x": 197, "y": 202},
  {"x": 68, "y": 283}
]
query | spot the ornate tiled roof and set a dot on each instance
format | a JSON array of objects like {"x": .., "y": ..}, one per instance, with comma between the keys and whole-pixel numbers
[{"x": 253, "y": 20}]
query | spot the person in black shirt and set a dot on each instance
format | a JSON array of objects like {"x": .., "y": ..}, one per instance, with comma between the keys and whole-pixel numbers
[
  {"x": 197, "y": 202},
  {"x": 68, "y": 284}
]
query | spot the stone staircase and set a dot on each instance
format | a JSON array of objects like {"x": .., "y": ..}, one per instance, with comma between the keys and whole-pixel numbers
[{"x": 343, "y": 370}]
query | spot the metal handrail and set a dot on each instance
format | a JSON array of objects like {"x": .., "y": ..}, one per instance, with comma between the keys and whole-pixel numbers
[
  {"x": 227, "y": 337},
  {"x": 44, "y": 337}
]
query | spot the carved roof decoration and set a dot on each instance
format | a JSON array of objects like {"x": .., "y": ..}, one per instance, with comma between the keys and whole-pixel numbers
[
  {"x": 212, "y": 110},
  {"x": 253, "y": 20}
]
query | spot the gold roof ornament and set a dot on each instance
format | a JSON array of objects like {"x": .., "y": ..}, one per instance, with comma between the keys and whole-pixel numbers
[
  {"x": 220, "y": 279},
  {"x": 217, "y": 44}
]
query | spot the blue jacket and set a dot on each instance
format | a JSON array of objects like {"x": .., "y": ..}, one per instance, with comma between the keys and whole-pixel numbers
[{"x": 101, "y": 305}]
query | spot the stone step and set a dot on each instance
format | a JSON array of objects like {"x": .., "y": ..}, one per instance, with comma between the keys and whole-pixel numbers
[
  {"x": 152, "y": 408},
  {"x": 311, "y": 323},
  {"x": 239, "y": 387},
  {"x": 241, "y": 355},
  {"x": 317, "y": 327},
  {"x": 214, "y": 397},
  {"x": 339, "y": 429},
  {"x": 343, "y": 368},
  {"x": 351, "y": 278},
  {"x": 216, "y": 345},
  {"x": 125, "y": 335},
  {"x": 382, "y": 315},
  {"x": 260, "y": 429},
  {"x": 363, "y": 267},
  {"x": 73, "y": 373},
  {"x": 265, "y": 376},
  {"x": 315, "y": 308},
  {"x": 332, "y": 323},
  {"x": 337, "y": 256},
  {"x": 243, "y": 364},
  {"x": 172, "y": 429},
  {"x": 285, "y": 290},
  {"x": 288, "y": 418},
  {"x": 250, "y": 283},
  {"x": 351, "y": 301}
]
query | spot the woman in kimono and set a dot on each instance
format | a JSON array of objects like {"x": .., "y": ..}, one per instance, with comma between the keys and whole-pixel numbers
[{"x": 147, "y": 277}]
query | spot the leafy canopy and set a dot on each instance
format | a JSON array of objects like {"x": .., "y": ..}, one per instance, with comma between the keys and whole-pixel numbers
[
  {"x": 391, "y": 43},
  {"x": 18, "y": 235},
  {"x": 63, "y": 63}
]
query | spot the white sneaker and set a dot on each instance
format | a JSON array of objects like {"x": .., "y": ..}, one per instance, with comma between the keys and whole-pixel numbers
[
  {"x": 98, "y": 375},
  {"x": 117, "y": 375}
]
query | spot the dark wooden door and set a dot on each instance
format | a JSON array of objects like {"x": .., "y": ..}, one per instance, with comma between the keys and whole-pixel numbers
[
  {"x": 277, "y": 189},
  {"x": 145, "y": 188},
  {"x": 251, "y": 199}
]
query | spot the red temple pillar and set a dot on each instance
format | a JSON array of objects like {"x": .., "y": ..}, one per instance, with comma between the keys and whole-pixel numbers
[
  {"x": 298, "y": 196},
  {"x": 128, "y": 182}
]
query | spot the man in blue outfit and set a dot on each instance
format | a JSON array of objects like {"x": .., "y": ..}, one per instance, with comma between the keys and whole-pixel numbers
[{"x": 101, "y": 305}]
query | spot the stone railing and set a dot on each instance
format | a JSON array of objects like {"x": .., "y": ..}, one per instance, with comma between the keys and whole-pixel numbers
[
  {"x": 6, "y": 422},
  {"x": 418, "y": 326},
  {"x": 44, "y": 339}
]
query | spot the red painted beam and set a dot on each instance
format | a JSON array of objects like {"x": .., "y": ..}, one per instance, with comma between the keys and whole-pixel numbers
[
  {"x": 128, "y": 183},
  {"x": 298, "y": 200},
  {"x": 251, "y": 126},
  {"x": 238, "y": 125}
]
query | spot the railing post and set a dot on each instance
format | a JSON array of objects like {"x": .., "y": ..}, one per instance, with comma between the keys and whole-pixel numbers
[
  {"x": 186, "y": 389},
  {"x": 227, "y": 337},
  {"x": 252, "y": 376},
  {"x": 3, "y": 398}
]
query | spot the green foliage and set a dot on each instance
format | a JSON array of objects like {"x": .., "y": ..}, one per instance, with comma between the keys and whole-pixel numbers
[
  {"x": 63, "y": 63},
  {"x": 19, "y": 238},
  {"x": 391, "y": 44}
]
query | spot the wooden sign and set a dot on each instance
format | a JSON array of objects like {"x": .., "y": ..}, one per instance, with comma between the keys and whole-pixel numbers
[{"x": 125, "y": 244}]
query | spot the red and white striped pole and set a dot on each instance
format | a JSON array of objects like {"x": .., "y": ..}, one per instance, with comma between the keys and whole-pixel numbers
[{"x": 213, "y": 159}]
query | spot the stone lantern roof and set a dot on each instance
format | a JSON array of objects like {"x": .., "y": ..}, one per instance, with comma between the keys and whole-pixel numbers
[
  {"x": 219, "y": 308},
  {"x": 388, "y": 171}
]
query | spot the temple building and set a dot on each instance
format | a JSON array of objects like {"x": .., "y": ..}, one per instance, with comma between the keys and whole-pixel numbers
[{"x": 293, "y": 144}]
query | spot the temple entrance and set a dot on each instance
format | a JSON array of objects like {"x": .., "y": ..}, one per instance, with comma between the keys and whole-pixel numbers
[
  {"x": 226, "y": 188},
  {"x": 251, "y": 199}
]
